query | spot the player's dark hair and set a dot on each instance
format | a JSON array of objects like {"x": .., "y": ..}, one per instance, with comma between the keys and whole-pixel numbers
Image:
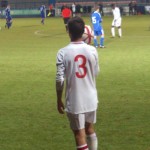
[{"x": 76, "y": 28}]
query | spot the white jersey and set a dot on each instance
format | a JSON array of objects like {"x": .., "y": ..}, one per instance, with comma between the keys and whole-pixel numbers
[
  {"x": 116, "y": 13},
  {"x": 78, "y": 64}
]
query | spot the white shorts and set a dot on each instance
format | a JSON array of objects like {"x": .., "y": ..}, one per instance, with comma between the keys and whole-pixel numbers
[
  {"x": 116, "y": 22},
  {"x": 77, "y": 121}
]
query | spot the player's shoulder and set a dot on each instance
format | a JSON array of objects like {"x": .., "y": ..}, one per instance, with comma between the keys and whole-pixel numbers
[{"x": 64, "y": 49}]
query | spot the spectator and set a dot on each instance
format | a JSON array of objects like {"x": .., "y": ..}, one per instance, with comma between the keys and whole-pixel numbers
[
  {"x": 73, "y": 9},
  {"x": 131, "y": 8},
  {"x": 63, "y": 6},
  {"x": 101, "y": 9},
  {"x": 135, "y": 8},
  {"x": 121, "y": 10},
  {"x": 78, "y": 9}
]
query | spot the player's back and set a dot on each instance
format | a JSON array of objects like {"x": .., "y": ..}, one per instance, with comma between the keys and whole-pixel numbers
[
  {"x": 96, "y": 20},
  {"x": 81, "y": 67}
]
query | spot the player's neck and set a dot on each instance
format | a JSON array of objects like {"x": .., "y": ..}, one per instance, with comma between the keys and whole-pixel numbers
[{"x": 78, "y": 40}]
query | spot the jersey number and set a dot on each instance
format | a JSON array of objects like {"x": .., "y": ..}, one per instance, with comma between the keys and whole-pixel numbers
[
  {"x": 93, "y": 20},
  {"x": 82, "y": 66}
]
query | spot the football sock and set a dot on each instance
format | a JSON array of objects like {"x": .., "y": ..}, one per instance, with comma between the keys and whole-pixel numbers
[
  {"x": 95, "y": 42},
  {"x": 9, "y": 25},
  {"x": 82, "y": 147},
  {"x": 102, "y": 41},
  {"x": 42, "y": 21},
  {"x": 113, "y": 31},
  {"x": 120, "y": 32},
  {"x": 92, "y": 142}
]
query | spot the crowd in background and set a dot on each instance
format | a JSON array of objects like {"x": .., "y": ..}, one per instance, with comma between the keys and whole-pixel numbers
[
  {"x": 132, "y": 8},
  {"x": 78, "y": 9}
]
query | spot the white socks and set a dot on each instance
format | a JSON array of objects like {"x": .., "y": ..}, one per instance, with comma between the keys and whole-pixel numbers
[
  {"x": 120, "y": 32},
  {"x": 113, "y": 32},
  {"x": 92, "y": 142}
]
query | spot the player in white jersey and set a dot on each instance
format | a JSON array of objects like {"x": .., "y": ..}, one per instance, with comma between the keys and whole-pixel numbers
[
  {"x": 77, "y": 64},
  {"x": 116, "y": 21}
]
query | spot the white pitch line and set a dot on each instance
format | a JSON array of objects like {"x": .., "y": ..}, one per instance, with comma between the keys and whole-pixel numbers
[{"x": 39, "y": 33}]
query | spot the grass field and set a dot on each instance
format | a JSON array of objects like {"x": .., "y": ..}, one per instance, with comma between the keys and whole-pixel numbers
[{"x": 28, "y": 116}]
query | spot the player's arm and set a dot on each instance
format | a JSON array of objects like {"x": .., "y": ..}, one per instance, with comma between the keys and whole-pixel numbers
[
  {"x": 97, "y": 67},
  {"x": 60, "y": 81},
  {"x": 59, "y": 91}
]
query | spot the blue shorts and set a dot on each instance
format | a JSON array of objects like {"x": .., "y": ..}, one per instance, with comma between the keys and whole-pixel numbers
[
  {"x": 97, "y": 33},
  {"x": 42, "y": 15},
  {"x": 9, "y": 19}
]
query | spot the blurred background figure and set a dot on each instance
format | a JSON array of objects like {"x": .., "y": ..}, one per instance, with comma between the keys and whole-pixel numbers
[
  {"x": 62, "y": 7},
  {"x": 101, "y": 9},
  {"x": 8, "y": 17},
  {"x": 78, "y": 10},
  {"x": 66, "y": 14},
  {"x": 134, "y": 8},
  {"x": 43, "y": 13},
  {"x": 50, "y": 10},
  {"x": 131, "y": 10},
  {"x": 73, "y": 9}
]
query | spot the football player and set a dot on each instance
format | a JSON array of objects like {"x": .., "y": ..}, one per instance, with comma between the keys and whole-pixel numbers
[
  {"x": 77, "y": 64},
  {"x": 43, "y": 13},
  {"x": 97, "y": 27},
  {"x": 116, "y": 21},
  {"x": 8, "y": 17}
]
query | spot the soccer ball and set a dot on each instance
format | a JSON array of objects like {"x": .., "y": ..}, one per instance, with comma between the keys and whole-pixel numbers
[{"x": 88, "y": 34}]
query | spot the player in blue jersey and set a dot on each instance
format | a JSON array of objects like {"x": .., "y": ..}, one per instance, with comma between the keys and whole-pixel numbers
[
  {"x": 43, "y": 13},
  {"x": 97, "y": 27},
  {"x": 8, "y": 17}
]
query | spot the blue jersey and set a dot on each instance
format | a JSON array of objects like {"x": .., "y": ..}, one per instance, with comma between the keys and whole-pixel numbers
[
  {"x": 43, "y": 10},
  {"x": 7, "y": 14},
  {"x": 96, "y": 21}
]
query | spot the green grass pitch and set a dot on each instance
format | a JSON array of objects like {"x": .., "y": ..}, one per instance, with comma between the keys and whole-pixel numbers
[{"x": 28, "y": 116}]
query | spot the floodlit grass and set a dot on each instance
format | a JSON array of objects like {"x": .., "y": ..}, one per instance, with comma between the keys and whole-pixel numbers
[{"x": 28, "y": 116}]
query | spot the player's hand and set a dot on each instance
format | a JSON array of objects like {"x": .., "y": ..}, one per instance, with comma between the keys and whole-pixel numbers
[{"x": 60, "y": 107}]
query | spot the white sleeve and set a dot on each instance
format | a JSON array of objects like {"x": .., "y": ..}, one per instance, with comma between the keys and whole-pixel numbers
[
  {"x": 97, "y": 68},
  {"x": 60, "y": 66}
]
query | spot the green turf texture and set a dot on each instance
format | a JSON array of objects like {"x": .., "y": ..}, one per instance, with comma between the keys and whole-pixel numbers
[{"x": 28, "y": 116}]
